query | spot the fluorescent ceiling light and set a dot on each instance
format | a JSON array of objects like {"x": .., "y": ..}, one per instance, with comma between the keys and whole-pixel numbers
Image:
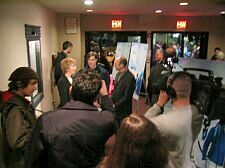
[
  {"x": 183, "y": 3},
  {"x": 158, "y": 11},
  {"x": 222, "y": 12},
  {"x": 88, "y": 2},
  {"x": 89, "y": 10}
]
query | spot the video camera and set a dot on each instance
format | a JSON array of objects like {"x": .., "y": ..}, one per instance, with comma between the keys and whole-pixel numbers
[{"x": 207, "y": 92}]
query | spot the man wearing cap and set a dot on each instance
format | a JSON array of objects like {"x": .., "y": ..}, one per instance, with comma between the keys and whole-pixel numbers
[{"x": 18, "y": 116}]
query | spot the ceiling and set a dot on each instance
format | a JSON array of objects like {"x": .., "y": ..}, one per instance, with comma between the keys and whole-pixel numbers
[{"x": 128, "y": 7}]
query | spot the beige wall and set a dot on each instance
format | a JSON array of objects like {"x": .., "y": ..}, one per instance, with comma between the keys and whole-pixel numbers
[
  {"x": 74, "y": 38},
  {"x": 213, "y": 24},
  {"x": 13, "y": 51}
]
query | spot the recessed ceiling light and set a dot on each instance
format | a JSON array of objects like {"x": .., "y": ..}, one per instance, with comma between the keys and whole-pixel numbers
[
  {"x": 183, "y": 3},
  {"x": 89, "y": 10},
  {"x": 222, "y": 12},
  {"x": 88, "y": 2},
  {"x": 158, "y": 11}
]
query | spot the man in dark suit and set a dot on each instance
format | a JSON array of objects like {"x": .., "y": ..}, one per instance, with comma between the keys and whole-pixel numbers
[
  {"x": 124, "y": 89},
  {"x": 155, "y": 74}
]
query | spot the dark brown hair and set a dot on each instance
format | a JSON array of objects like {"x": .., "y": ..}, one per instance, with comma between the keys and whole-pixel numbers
[
  {"x": 67, "y": 44},
  {"x": 86, "y": 86},
  {"x": 138, "y": 145}
]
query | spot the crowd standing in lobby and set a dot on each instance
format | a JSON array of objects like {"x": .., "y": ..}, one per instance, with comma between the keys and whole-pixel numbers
[{"x": 75, "y": 134}]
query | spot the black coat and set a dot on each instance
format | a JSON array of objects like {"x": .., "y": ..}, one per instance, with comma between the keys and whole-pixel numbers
[
  {"x": 63, "y": 87},
  {"x": 71, "y": 137},
  {"x": 122, "y": 95},
  {"x": 155, "y": 74},
  {"x": 58, "y": 71}
]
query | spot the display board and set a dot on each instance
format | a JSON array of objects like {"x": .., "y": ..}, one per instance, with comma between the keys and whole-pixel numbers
[
  {"x": 136, "y": 64},
  {"x": 122, "y": 49}
]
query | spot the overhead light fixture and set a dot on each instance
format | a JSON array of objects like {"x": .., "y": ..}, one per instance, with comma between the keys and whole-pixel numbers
[
  {"x": 183, "y": 3},
  {"x": 222, "y": 12},
  {"x": 88, "y": 2},
  {"x": 89, "y": 10},
  {"x": 158, "y": 11}
]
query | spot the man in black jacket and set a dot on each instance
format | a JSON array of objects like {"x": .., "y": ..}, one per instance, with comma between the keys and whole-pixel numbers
[
  {"x": 74, "y": 135},
  {"x": 124, "y": 89},
  {"x": 155, "y": 74},
  {"x": 67, "y": 48}
]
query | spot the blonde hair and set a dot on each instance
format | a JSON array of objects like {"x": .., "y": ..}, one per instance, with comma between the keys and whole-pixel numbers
[{"x": 66, "y": 63}]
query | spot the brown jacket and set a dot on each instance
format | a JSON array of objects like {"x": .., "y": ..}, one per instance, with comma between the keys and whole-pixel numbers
[{"x": 18, "y": 120}]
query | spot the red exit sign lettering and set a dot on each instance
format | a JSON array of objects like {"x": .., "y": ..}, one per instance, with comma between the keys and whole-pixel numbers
[
  {"x": 116, "y": 24},
  {"x": 181, "y": 24}
]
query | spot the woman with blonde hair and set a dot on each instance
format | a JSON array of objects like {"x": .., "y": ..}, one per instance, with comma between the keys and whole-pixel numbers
[
  {"x": 138, "y": 145},
  {"x": 68, "y": 66}
]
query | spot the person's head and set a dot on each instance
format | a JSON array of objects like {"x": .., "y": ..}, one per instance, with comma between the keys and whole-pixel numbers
[
  {"x": 179, "y": 86},
  {"x": 170, "y": 52},
  {"x": 68, "y": 65},
  {"x": 92, "y": 58},
  {"x": 120, "y": 63},
  {"x": 23, "y": 80},
  {"x": 216, "y": 50},
  {"x": 86, "y": 86},
  {"x": 159, "y": 55},
  {"x": 220, "y": 56},
  {"x": 67, "y": 47},
  {"x": 138, "y": 145},
  {"x": 93, "y": 45}
]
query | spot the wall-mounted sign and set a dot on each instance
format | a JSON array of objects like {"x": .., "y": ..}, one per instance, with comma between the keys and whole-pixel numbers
[
  {"x": 181, "y": 24},
  {"x": 71, "y": 25},
  {"x": 116, "y": 24}
]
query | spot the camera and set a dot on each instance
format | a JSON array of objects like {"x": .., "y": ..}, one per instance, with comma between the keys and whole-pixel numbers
[{"x": 207, "y": 92}]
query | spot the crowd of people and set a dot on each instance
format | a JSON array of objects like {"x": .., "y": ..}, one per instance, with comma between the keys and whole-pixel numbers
[{"x": 74, "y": 135}]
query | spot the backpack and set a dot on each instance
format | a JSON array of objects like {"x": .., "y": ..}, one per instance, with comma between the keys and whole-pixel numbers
[{"x": 4, "y": 97}]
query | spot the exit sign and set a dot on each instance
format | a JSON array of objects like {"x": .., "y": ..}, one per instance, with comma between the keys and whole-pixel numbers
[
  {"x": 181, "y": 24},
  {"x": 116, "y": 24}
]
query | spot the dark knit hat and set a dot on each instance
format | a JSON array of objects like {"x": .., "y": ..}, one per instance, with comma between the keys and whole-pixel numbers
[{"x": 23, "y": 73}]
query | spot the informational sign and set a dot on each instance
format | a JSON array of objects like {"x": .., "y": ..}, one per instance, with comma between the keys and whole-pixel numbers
[
  {"x": 136, "y": 65},
  {"x": 122, "y": 49},
  {"x": 71, "y": 25}
]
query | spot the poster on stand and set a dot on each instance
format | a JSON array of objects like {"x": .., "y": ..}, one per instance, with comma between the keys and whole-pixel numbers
[
  {"x": 136, "y": 64},
  {"x": 122, "y": 49}
]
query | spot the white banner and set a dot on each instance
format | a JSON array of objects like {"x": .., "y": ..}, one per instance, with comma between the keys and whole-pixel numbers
[
  {"x": 122, "y": 49},
  {"x": 136, "y": 65}
]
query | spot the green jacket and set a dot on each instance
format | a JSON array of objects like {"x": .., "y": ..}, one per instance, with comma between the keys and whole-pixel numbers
[{"x": 18, "y": 120}]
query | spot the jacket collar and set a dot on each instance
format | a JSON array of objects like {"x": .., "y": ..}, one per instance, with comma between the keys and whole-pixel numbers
[
  {"x": 66, "y": 79},
  {"x": 78, "y": 105}
]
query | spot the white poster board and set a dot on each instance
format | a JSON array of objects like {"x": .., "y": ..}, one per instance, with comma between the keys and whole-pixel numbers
[
  {"x": 122, "y": 49},
  {"x": 136, "y": 65}
]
